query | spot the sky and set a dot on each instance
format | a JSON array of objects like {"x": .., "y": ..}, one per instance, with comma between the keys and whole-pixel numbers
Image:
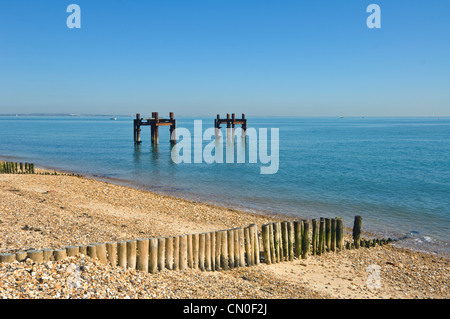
[{"x": 204, "y": 57}]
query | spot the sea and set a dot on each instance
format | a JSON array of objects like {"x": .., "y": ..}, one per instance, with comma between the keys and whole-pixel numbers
[{"x": 392, "y": 171}]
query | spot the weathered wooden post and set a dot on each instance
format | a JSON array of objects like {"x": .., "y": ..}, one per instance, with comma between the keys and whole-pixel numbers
[
  {"x": 277, "y": 241},
  {"x": 173, "y": 126},
  {"x": 305, "y": 239},
  {"x": 196, "y": 250},
  {"x": 152, "y": 249},
  {"x": 266, "y": 243},
  {"x": 7, "y": 258},
  {"x": 111, "y": 249},
  {"x": 248, "y": 247},
  {"x": 273, "y": 256},
  {"x": 218, "y": 236},
  {"x": 121, "y": 253},
  {"x": 176, "y": 253},
  {"x": 59, "y": 254},
  {"x": 162, "y": 252},
  {"x": 190, "y": 251},
  {"x": 35, "y": 255},
  {"x": 207, "y": 251},
  {"x": 340, "y": 233},
  {"x": 230, "y": 235},
  {"x": 22, "y": 255},
  {"x": 315, "y": 236},
  {"x": 142, "y": 257},
  {"x": 183, "y": 252},
  {"x": 298, "y": 227},
  {"x": 169, "y": 253},
  {"x": 241, "y": 247},
  {"x": 213, "y": 250},
  {"x": 72, "y": 251},
  {"x": 328, "y": 233},
  {"x": 131, "y": 254},
  {"x": 91, "y": 251},
  {"x": 291, "y": 240},
  {"x": 224, "y": 251},
  {"x": 357, "y": 231},
  {"x": 321, "y": 249},
  {"x": 333, "y": 234}
]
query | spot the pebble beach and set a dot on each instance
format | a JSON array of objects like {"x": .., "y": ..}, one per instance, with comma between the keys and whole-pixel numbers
[{"x": 55, "y": 211}]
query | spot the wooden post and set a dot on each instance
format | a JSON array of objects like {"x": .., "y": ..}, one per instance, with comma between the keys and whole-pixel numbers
[
  {"x": 7, "y": 258},
  {"x": 111, "y": 249},
  {"x": 101, "y": 252},
  {"x": 47, "y": 254},
  {"x": 91, "y": 251},
  {"x": 321, "y": 249},
  {"x": 230, "y": 234},
  {"x": 201, "y": 251},
  {"x": 176, "y": 253},
  {"x": 248, "y": 247},
  {"x": 328, "y": 233},
  {"x": 291, "y": 240},
  {"x": 190, "y": 252},
  {"x": 121, "y": 253},
  {"x": 256, "y": 249},
  {"x": 339, "y": 233},
  {"x": 83, "y": 250},
  {"x": 241, "y": 247},
  {"x": 142, "y": 257},
  {"x": 169, "y": 253},
  {"x": 305, "y": 239},
  {"x": 333, "y": 234},
  {"x": 357, "y": 231},
  {"x": 273, "y": 256},
  {"x": 72, "y": 251},
  {"x": 22, "y": 255},
  {"x": 298, "y": 226},
  {"x": 131, "y": 254},
  {"x": 183, "y": 252},
  {"x": 224, "y": 250},
  {"x": 60, "y": 254},
  {"x": 162, "y": 253},
  {"x": 152, "y": 257},
  {"x": 208, "y": 252},
  {"x": 213, "y": 250},
  {"x": 315, "y": 236},
  {"x": 195, "y": 250},
  {"x": 35, "y": 255},
  {"x": 265, "y": 232},
  {"x": 284, "y": 237},
  {"x": 218, "y": 236}
]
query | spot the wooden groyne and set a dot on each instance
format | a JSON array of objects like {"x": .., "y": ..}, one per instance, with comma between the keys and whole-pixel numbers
[
  {"x": 211, "y": 251},
  {"x": 16, "y": 168}
]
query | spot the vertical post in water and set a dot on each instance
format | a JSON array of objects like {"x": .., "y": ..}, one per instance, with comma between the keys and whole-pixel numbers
[
  {"x": 137, "y": 129},
  {"x": 305, "y": 239},
  {"x": 357, "y": 231},
  {"x": 173, "y": 126}
]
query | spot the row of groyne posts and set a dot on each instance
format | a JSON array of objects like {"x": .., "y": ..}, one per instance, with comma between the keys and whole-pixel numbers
[
  {"x": 16, "y": 168},
  {"x": 156, "y": 121},
  {"x": 217, "y": 250}
]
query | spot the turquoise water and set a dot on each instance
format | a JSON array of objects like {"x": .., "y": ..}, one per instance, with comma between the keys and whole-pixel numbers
[{"x": 395, "y": 172}]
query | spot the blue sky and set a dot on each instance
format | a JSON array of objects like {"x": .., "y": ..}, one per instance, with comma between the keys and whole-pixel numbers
[{"x": 203, "y": 57}]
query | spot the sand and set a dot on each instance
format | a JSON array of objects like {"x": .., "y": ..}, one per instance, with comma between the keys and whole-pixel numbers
[{"x": 47, "y": 211}]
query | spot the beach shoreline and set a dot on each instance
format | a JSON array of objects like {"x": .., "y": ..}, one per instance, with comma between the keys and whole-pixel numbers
[{"x": 53, "y": 211}]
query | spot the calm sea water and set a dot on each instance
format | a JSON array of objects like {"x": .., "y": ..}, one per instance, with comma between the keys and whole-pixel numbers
[{"x": 395, "y": 172}]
